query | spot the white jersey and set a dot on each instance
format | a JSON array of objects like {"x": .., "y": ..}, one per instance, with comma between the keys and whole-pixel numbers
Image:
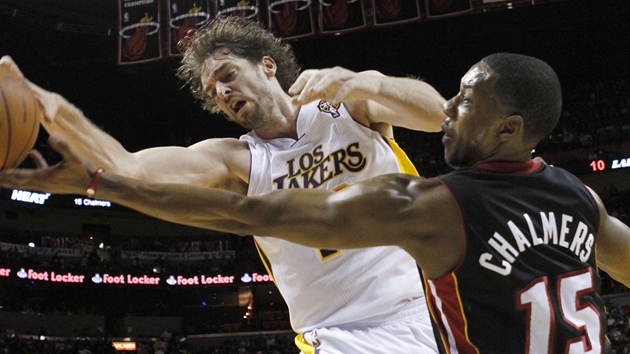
[{"x": 341, "y": 288}]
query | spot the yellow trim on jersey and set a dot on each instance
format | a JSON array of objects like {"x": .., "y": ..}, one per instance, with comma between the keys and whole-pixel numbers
[
  {"x": 406, "y": 166},
  {"x": 435, "y": 316},
  {"x": 264, "y": 260},
  {"x": 303, "y": 345},
  {"x": 329, "y": 256},
  {"x": 463, "y": 314}
]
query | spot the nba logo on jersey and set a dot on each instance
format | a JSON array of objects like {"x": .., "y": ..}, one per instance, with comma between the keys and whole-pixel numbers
[{"x": 326, "y": 107}]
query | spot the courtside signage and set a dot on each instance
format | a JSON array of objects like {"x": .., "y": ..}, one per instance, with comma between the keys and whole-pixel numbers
[{"x": 128, "y": 279}]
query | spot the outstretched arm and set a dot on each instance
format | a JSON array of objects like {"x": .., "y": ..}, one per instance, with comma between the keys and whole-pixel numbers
[
  {"x": 210, "y": 163},
  {"x": 354, "y": 214},
  {"x": 613, "y": 245},
  {"x": 419, "y": 214},
  {"x": 297, "y": 214},
  {"x": 373, "y": 98},
  {"x": 64, "y": 119}
]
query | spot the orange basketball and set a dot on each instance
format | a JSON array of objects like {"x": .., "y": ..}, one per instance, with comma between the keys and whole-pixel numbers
[{"x": 19, "y": 121}]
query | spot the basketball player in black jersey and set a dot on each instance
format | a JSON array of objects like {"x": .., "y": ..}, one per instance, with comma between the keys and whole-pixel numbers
[{"x": 510, "y": 247}]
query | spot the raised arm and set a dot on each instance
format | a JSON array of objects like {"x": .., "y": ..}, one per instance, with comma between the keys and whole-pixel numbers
[
  {"x": 373, "y": 98},
  {"x": 613, "y": 245},
  {"x": 217, "y": 162}
]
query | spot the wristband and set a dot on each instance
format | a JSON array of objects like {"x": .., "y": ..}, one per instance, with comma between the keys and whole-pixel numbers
[{"x": 90, "y": 191}]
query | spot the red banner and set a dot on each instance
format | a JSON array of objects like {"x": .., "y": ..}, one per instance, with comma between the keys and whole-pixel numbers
[
  {"x": 139, "y": 31},
  {"x": 185, "y": 16},
  {"x": 391, "y": 12},
  {"x": 291, "y": 19},
  {"x": 443, "y": 8},
  {"x": 339, "y": 16},
  {"x": 140, "y": 20}
]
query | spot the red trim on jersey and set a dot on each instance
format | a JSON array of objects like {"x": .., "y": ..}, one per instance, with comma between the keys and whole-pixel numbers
[
  {"x": 445, "y": 303},
  {"x": 510, "y": 166}
]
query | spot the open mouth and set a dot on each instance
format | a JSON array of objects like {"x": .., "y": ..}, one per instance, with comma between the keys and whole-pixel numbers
[{"x": 236, "y": 106}]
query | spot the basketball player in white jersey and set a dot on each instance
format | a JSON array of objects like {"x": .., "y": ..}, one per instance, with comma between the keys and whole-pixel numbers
[{"x": 350, "y": 301}]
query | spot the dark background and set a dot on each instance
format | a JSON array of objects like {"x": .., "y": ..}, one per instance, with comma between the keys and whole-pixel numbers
[{"x": 144, "y": 105}]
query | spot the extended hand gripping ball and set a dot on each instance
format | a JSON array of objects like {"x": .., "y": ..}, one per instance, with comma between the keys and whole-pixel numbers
[{"x": 19, "y": 121}]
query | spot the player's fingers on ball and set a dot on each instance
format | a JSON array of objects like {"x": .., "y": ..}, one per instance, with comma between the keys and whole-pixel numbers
[
  {"x": 19, "y": 122},
  {"x": 38, "y": 159},
  {"x": 7, "y": 64},
  {"x": 59, "y": 145},
  {"x": 49, "y": 104}
]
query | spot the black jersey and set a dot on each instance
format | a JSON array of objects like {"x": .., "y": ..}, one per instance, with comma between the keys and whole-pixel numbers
[{"x": 528, "y": 281}]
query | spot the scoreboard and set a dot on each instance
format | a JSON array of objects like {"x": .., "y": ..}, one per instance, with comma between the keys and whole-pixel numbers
[{"x": 600, "y": 165}]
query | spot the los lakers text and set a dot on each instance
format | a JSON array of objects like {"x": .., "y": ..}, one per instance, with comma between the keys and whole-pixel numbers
[
  {"x": 563, "y": 232},
  {"x": 312, "y": 169}
]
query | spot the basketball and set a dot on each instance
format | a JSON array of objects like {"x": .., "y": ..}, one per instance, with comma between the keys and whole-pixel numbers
[{"x": 19, "y": 121}]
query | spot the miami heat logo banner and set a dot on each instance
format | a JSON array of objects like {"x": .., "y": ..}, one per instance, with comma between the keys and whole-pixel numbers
[
  {"x": 184, "y": 16},
  {"x": 249, "y": 9},
  {"x": 502, "y": 3},
  {"x": 339, "y": 16},
  {"x": 291, "y": 19},
  {"x": 138, "y": 31},
  {"x": 443, "y": 8},
  {"x": 390, "y": 12}
]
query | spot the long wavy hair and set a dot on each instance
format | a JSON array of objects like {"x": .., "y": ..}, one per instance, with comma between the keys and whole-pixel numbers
[{"x": 235, "y": 35}]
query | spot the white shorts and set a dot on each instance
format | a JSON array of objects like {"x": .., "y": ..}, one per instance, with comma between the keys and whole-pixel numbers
[{"x": 413, "y": 335}]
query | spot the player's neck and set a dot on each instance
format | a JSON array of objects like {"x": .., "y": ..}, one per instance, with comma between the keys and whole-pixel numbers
[{"x": 284, "y": 126}]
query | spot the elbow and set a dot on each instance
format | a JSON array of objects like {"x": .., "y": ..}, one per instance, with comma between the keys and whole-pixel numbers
[
  {"x": 372, "y": 72},
  {"x": 435, "y": 126},
  {"x": 438, "y": 117}
]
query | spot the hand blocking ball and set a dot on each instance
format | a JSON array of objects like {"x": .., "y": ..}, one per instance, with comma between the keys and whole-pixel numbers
[{"x": 19, "y": 120}]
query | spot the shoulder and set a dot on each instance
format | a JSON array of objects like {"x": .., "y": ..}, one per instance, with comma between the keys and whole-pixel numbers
[
  {"x": 360, "y": 112},
  {"x": 231, "y": 153},
  {"x": 220, "y": 144}
]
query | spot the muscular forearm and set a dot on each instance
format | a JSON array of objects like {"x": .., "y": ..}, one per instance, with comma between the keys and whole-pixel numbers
[
  {"x": 305, "y": 216},
  {"x": 178, "y": 203},
  {"x": 373, "y": 98},
  {"x": 215, "y": 209},
  {"x": 414, "y": 103}
]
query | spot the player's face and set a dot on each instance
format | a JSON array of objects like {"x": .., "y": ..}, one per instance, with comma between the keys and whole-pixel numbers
[
  {"x": 240, "y": 89},
  {"x": 471, "y": 126}
]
